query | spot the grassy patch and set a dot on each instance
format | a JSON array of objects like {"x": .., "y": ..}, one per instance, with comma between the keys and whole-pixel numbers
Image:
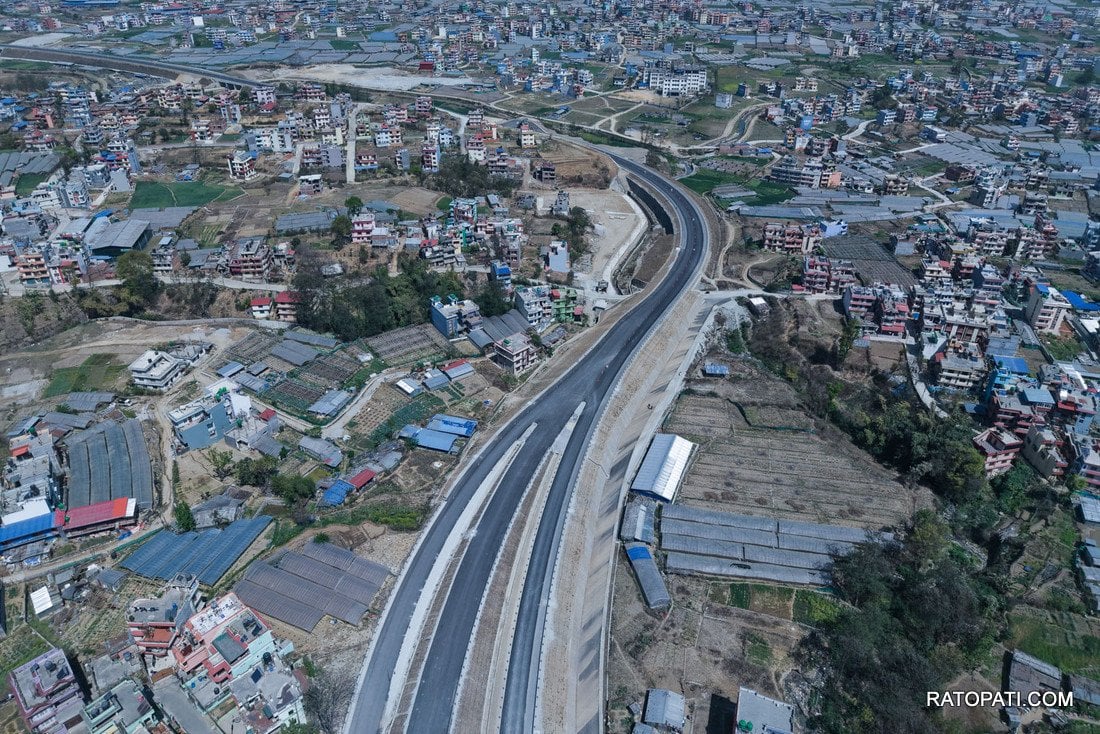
[
  {"x": 156, "y": 195},
  {"x": 229, "y": 137},
  {"x": 97, "y": 372},
  {"x": 416, "y": 410},
  {"x": 705, "y": 180},
  {"x": 1055, "y": 641},
  {"x": 27, "y": 182},
  {"x": 1062, "y": 348},
  {"x": 601, "y": 139},
  {"x": 771, "y": 600},
  {"x": 21, "y": 646},
  {"x": 757, "y": 649},
  {"x": 444, "y": 204},
  {"x": 813, "y": 609},
  {"x": 343, "y": 44}
]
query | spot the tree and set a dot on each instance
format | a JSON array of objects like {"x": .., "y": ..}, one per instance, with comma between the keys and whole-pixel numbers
[
  {"x": 354, "y": 205},
  {"x": 185, "y": 259},
  {"x": 221, "y": 462},
  {"x": 293, "y": 488},
  {"x": 185, "y": 521},
  {"x": 255, "y": 472},
  {"x": 341, "y": 230},
  {"x": 139, "y": 283},
  {"x": 491, "y": 300},
  {"x": 175, "y": 473},
  {"x": 327, "y": 700}
]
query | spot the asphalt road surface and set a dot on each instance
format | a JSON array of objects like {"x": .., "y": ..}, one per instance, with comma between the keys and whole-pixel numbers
[{"x": 590, "y": 381}]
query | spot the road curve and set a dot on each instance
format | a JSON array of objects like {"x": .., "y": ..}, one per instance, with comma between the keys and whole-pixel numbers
[
  {"x": 133, "y": 64},
  {"x": 590, "y": 381}
]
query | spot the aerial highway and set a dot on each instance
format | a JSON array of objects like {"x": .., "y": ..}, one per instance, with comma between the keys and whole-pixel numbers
[
  {"x": 133, "y": 64},
  {"x": 591, "y": 382}
]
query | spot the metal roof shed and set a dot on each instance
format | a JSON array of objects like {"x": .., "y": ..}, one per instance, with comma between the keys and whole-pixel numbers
[
  {"x": 464, "y": 427},
  {"x": 664, "y": 467},
  {"x": 764, "y": 714},
  {"x": 649, "y": 578},
  {"x": 665, "y": 708},
  {"x": 428, "y": 439},
  {"x": 230, "y": 369}
]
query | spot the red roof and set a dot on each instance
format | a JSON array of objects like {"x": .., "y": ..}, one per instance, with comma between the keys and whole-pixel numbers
[
  {"x": 286, "y": 297},
  {"x": 261, "y": 301},
  {"x": 82, "y": 517},
  {"x": 578, "y": 311},
  {"x": 20, "y": 450},
  {"x": 456, "y": 363},
  {"x": 268, "y": 414},
  {"x": 361, "y": 479}
]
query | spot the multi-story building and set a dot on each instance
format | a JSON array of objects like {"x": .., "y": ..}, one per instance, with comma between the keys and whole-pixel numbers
[
  {"x": 795, "y": 239},
  {"x": 251, "y": 259},
  {"x": 958, "y": 369},
  {"x": 895, "y": 185},
  {"x": 286, "y": 306},
  {"x": 123, "y": 709},
  {"x": 31, "y": 264},
  {"x": 156, "y": 370},
  {"x": 515, "y": 354},
  {"x": 242, "y": 165},
  {"x": 1043, "y": 450},
  {"x": 999, "y": 448},
  {"x": 455, "y": 318},
  {"x": 676, "y": 81},
  {"x": 154, "y": 624},
  {"x": 812, "y": 172},
  {"x": 429, "y": 158},
  {"x": 47, "y": 693},
  {"x": 1046, "y": 308}
]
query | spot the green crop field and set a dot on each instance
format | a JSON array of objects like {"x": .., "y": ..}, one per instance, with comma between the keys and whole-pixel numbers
[
  {"x": 156, "y": 195},
  {"x": 26, "y": 182},
  {"x": 97, "y": 372}
]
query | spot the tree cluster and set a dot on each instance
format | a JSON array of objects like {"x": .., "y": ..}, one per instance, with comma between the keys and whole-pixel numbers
[
  {"x": 917, "y": 615},
  {"x": 385, "y": 302},
  {"x": 459, "y": 177}
]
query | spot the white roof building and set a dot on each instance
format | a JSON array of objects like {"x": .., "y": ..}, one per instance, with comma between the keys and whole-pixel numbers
[
  {"x": 155, "y": 370},
  {"x": 664, "y": 467}
]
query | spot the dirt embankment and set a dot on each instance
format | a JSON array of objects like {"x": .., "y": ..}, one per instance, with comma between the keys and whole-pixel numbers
[{"x": 30, "y": 319}]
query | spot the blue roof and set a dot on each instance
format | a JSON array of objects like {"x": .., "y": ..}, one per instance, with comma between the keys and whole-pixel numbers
[
  {"x": 1017, "y": 365},
  {"x": 1038, "y": 396},
  {"x": 200, "y": 435},
  {"x": 24, "y": 531},
  {"x": 1079, "y": 302},
  {"x": 452, "y": 424},
  {"x": 1043, "y": 288},
  {"x": 638, "y": 553},
  {"x": 429, "y": 439},
  {"x": 207, "y": 554},
  {"x": 436, "y": 381},
  {"x": 337, "y": 493},
  {"x": 718, "y": 370}
]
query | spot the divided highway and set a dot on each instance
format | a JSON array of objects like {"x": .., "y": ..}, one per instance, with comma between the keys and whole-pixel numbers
[{"x": 590, "y": 381}]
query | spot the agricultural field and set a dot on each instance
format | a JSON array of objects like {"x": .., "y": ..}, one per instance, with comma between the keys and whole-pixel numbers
[
  {"x": 761, "y": 454},
  {"x": 157, "y": 195},
  {"x": 710, "y": 644},
  {"x": 26, "y": 182},
  {"x": 97, "y": 372}
]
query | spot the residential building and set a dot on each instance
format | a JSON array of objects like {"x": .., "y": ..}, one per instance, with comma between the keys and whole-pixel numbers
[
  {"x": 251, "y": 259},
  {"x": 31, "y": 264},
  {"x": 242, "y": 165},
  {"x": 795, "y": 239},
  {"x": 999, "y": 449},
  {"x": 155, "y": 370},
  {"x": 895, "y": 185},
  {"x": 455, "y": 318},
  {"x": 1046, "y": 308},
  {"x": 676, "y": 81},
  {"x": 515, "y": 354},
  {"x": 1043, "y": 450},
  {"x": 154, "y": 624},
  {"x": 122, "y": 710},
  {"x": 47, "y": 693},
  {"x": 286, "y": 306}
]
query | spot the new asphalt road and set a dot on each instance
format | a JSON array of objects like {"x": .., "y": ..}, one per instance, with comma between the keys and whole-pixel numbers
[{"x": 591, "y": 381}]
